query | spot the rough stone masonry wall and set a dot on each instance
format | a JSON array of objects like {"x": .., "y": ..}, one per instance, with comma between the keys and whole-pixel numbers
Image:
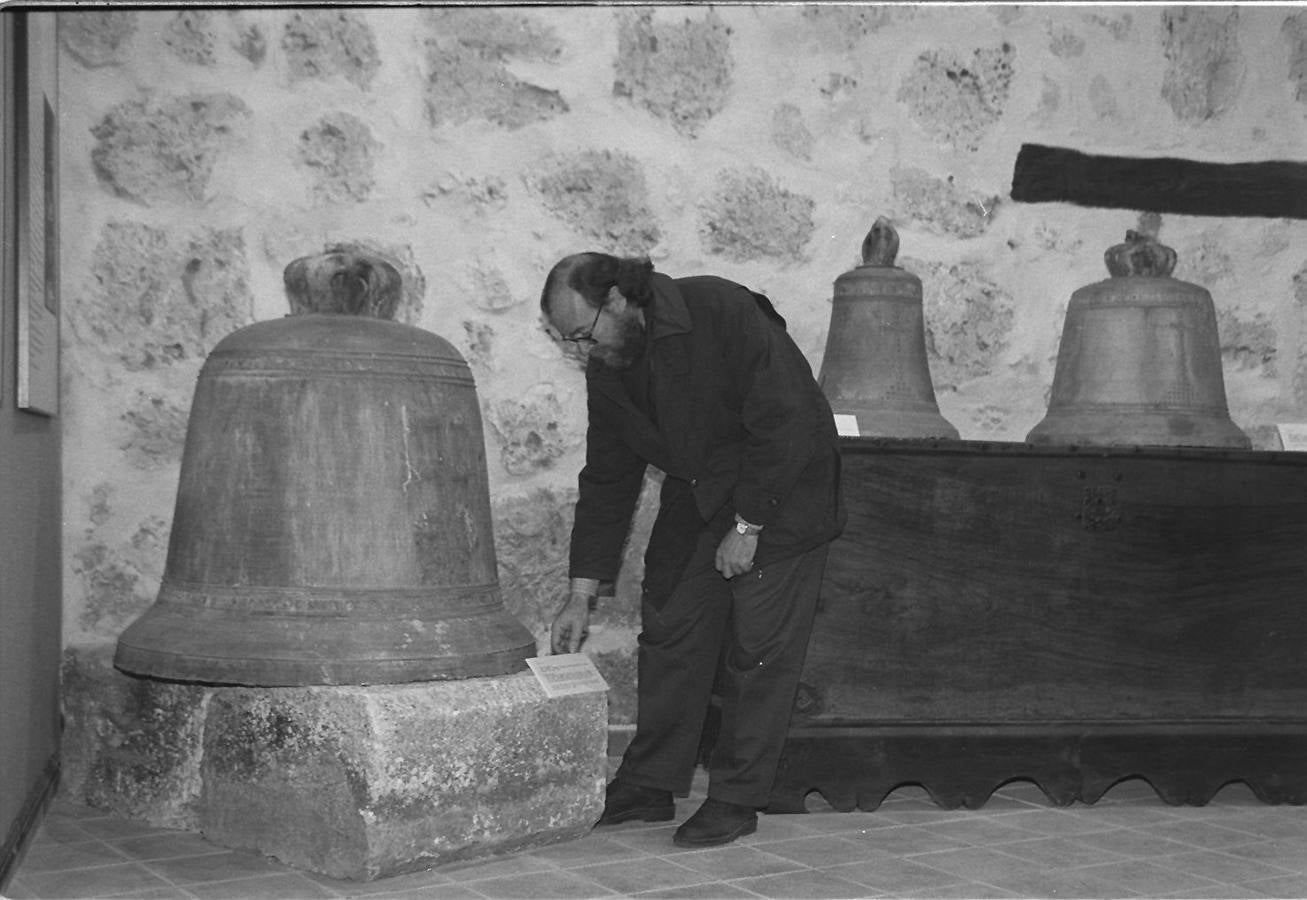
[{"x": 204, "y": 149}]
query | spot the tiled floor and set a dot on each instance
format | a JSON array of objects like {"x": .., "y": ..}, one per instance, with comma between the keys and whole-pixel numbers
[{"x": 1129, "y": 844}]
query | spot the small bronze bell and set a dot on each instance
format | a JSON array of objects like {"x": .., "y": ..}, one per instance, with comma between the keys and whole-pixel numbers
[
  {"x": 332, "y": 523},
  {"x": 875, "y": 367},
  {"x": 1139, "y": 360}
]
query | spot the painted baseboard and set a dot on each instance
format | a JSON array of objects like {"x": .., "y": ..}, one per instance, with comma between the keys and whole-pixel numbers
[{"x": 29, "y": 819}]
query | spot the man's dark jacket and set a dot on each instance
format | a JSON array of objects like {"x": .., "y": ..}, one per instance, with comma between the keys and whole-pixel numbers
[{"x": 725, "y": 404}]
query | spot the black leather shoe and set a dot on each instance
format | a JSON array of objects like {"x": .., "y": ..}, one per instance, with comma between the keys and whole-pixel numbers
[
  {"x": 717, "y": 822},
  {"x": 629, "y": 802}
]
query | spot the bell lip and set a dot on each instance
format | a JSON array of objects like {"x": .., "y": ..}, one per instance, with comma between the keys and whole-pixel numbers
[
  {"x": 193, "y": 644},
  {"x": 1136, "y": 429},
  {"x": 245, "y": 672}
]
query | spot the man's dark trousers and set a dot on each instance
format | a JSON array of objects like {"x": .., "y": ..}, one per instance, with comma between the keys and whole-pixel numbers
[{"x": 765, "y": 618}]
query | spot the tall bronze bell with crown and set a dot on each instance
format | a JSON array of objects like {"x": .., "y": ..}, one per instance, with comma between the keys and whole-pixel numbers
[
  {"x": 332, "y": 523},
  {"x": 1139, "y": 360},
  {"x": 875, "y": 367}
]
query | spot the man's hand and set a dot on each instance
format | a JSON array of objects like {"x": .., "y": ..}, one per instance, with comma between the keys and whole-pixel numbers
[
  {"x": 735, "y": 553},
  {"x": 571, "y": 625}
]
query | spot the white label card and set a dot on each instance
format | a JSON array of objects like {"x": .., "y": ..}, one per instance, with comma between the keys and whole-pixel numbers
[
  {"x": 1293, "y": 435},
  {"x": 567, "y": 673},
  {"x": 846, "y": 425}
]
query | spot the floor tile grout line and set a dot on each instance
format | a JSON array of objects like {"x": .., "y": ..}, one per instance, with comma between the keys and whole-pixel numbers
[
  {"x": 132, "y": 894},
  {"x": 709, "y": 880},
  {"x": 1233, "y": 858},
  {"x": 1258, "y": 830},
  {"x": 740, "y": 887},
  {"x": 173, "y": 883},
  {"x": 827, "y": 870},
  {"x": 99, "y": 865}
]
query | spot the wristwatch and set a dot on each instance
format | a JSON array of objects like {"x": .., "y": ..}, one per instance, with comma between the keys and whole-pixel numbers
[{"x": 743, "y": 527}]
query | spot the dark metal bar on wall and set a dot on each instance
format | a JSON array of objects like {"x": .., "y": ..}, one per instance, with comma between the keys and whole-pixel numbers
[{"x": 1274, "y": 189}]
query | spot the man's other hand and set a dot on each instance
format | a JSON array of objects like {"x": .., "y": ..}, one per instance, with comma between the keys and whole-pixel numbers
[{"x": 735, "y": 553}]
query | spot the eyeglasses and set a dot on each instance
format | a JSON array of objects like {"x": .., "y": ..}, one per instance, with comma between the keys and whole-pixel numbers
[{"x": 586, "y": 338}]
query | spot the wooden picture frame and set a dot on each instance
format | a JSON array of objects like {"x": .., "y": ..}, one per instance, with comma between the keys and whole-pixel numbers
[
  {"x": 8, "y": 211},
  {"x": 37, "y": 288}
]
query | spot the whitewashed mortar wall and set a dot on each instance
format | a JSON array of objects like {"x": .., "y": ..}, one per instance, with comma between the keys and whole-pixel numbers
[{"x": 202, "y": 151}]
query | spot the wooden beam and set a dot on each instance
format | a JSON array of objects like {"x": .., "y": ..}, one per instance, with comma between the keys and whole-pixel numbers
[{"x": 1164, "y": 184}]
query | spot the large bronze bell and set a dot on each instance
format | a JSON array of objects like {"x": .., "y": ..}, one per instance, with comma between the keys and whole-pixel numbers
[
  {"x": 875, "y": 367},
  {"x": 332, "y": 523},
  {"x": 1139, "y": 360}
]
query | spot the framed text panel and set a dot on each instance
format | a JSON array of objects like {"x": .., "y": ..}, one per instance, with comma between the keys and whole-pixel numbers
[
  {"x": 8, "y": 204},
  {"x": 37, "y": 189}
]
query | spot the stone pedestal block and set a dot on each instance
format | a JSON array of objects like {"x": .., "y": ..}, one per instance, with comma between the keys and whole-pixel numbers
[
  {"x": 357, "y": 782},
  {"x": 131, "y": 746},
  {"x": 352, "y": 782}
]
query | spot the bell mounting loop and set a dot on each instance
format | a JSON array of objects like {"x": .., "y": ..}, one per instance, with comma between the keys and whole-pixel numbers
[
  {"x": 1141, "y": 255},
  {"x": 343, "y": 281},
  {"x": 881, "y": 244}
]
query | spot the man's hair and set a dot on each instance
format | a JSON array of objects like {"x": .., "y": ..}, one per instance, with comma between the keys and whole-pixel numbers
[{"x": 592, "y": 275}]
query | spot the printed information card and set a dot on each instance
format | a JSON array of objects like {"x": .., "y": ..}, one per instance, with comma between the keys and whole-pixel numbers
[
  {"x": 567, "y": 673},
  {"x": 1293, "y": 435},
  {"x": 846, "y": 425}
]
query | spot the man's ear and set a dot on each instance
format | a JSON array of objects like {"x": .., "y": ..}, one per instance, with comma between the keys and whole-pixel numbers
[{"x": 616, "y": 300}]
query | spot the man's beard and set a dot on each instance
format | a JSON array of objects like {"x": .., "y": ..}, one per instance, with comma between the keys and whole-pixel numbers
[{"x": 629, "y": 346}]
